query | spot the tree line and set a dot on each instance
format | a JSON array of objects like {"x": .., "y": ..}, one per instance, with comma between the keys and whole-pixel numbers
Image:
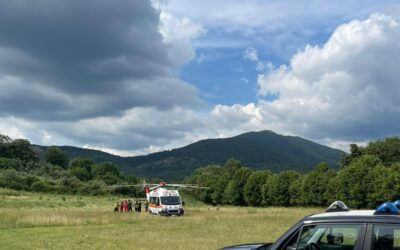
[
  {"x": 367, "y": 177},
  {"x": 24, "y": 167}
]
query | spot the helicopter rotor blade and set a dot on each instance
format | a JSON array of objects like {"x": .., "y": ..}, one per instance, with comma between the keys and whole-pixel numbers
[
  {"x": 127, "y": 185},
  {"x": 186, "y": 186},
  {"x": 155, "y": 186}
]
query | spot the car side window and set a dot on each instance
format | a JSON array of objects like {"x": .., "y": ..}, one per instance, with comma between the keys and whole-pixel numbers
[
  {"x": 385, "y": 237},
  {"x": 328, "y": 237}
]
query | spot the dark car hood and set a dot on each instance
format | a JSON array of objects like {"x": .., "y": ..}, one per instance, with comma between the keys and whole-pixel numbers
[{"x": 252, "y": 246}]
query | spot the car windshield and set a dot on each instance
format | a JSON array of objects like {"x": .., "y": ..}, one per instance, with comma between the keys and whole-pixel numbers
[{"x": 170, "y": 200}]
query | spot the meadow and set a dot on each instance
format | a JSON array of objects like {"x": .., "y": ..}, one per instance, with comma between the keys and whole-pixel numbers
[{"x": 51, "y": 221}]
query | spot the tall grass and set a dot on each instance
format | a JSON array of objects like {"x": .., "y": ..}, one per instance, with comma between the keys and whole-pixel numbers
[{"x": 41, "y": 221}]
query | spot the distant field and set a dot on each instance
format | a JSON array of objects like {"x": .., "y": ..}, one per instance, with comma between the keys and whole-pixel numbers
[{"x": 43, "y": 221}]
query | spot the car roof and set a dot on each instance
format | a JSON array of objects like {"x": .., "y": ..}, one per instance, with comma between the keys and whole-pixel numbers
[
  {"x": 353, "y": 216},
  {"x": 345, "y": 213}
]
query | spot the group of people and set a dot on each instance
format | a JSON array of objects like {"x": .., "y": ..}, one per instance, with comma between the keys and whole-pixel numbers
[{"x": 126, "y": 206}]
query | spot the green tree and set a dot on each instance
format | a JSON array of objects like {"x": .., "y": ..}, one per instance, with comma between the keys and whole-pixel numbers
[
  {"x": 354, "y": 182},
  {"x": 231, "y": 166},
  {"x": 217, "y": 195},
  {"x": 234, "y": 191},
  {"x": 104, "y": 168},
  {"x": 11, "y": 163},
  {"x": 56, "y": 156},
  {"x": 110, "y": 178},
  {"x": 315, "y": 185},
  {"x": 10, "y": 178},
  {"x": 253, "y": 187},
  {"x": 68, "y": 184},
  {"x": 267, "y": 190},
  {"x": 5, "y": 141},
  {"x": 355, "y": 152},
  {"x": 22, "y": 149},
  {"x": 131, "y": 179},
  {"x": 83, "y": 163},
  {"x": 41, "y": 186},
  {"x": 80, "y": 173},
  {"x": 387, "y": 150},
  {"x": 276, "y": 190},
  {"x": 213, "y": 177},
  {"x": 296, "y": 192},
  {"x": 385, "y": 184},
  {"x": 81, "y": 168}
]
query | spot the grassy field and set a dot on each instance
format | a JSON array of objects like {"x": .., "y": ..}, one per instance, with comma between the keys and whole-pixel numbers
[{"x": 44, "y": 221}]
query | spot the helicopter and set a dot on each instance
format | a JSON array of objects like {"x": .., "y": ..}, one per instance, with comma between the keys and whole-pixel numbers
[{"x": 162, "y": 199}]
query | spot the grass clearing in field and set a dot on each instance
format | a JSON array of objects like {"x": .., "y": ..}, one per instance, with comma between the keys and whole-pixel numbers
[{"x": 45, "y": 221}]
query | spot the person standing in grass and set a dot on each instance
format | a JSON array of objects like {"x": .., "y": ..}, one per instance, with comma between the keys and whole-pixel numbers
[
  {"x": 116, "y": 207},
  {"x": 125, "y": 206},
  {"x": 129, "y": 206},
  {"x": 137, "y": 206},
  {"x": 121, "y": 207}
]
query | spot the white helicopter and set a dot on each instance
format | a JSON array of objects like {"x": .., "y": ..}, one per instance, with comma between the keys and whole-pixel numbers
[{"x": 162, "y": 199}]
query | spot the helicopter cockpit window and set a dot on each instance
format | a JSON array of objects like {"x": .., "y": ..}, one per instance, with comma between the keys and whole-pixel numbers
[{"x": 170, "y": 200}]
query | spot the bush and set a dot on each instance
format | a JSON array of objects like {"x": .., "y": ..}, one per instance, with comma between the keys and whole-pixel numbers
[
  {"x": 10, "y": 178},
  {"x": 11, "y": 163},
  {"x": 41, "y": 186}
]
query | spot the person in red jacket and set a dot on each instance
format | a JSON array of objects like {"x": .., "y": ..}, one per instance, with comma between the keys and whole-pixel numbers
[{"x": 125, "y": 206}]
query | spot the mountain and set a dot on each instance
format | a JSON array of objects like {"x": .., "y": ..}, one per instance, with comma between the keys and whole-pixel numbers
[{"x": 258, "y": 150}]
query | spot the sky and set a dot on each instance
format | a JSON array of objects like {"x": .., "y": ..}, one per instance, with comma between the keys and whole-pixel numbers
[{"x": 132, "y": 77}]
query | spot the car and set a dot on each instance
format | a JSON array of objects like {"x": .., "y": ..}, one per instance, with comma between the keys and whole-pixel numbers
[{"x": 339, "y": 228}]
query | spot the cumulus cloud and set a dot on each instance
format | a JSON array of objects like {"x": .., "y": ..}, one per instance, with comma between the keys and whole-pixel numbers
[
  {"x": 345, "y": 90},
  {"x": 251, "y": 54},
  {"x": 178, "y": 34},
  {"x": 75, "y": 60}
]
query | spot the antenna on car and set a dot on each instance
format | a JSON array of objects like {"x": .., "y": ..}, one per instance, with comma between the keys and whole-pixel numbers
[{"x": 337, "y": 206}]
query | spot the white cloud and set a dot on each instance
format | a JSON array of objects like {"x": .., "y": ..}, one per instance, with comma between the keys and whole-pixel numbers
[
  {"x": 47, "y": 138},
  {"x": 251, "y": 54},
  {"x": 178, "y": 33},
  {"x": 346, "y": 89},
  {"x": 13, "y": 131}
]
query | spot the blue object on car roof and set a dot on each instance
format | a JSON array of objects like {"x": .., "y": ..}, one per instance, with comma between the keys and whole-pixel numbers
[
  {"x": 397, "y": 204},
  {"x": 387, "y": 208}
]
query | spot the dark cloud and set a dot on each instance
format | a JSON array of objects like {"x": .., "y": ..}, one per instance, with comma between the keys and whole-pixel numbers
[{"x": 78, "y": 59}]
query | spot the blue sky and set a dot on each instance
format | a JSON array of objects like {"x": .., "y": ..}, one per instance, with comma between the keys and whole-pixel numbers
[{"x": 134, "y": 77}]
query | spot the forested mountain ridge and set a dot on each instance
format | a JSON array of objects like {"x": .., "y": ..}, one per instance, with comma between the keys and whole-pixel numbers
[{"x": 257, "y": 150}]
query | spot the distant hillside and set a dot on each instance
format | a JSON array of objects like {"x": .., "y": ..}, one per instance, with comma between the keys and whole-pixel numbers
[{"x": 258, "y": 150}]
